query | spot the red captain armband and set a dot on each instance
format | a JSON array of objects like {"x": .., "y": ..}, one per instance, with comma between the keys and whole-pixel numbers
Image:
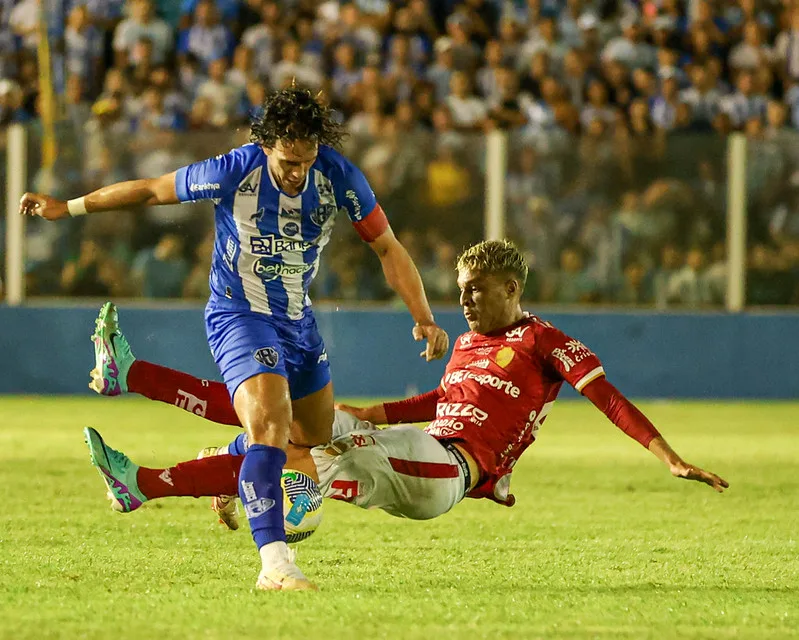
[
  {"x": 373, "y": 224},
  {"x": 421, "y": 408}
]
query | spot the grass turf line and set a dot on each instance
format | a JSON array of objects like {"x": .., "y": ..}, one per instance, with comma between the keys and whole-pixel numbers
[{"x": 601, "y": 543}]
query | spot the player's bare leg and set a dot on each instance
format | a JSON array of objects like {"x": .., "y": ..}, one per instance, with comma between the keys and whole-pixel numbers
[
  {"x": 313, "y": 418},
  {"x": 263, "y": 405}
]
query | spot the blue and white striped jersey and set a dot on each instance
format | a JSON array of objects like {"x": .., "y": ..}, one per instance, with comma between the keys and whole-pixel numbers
[{"x": 268, "y": 244}]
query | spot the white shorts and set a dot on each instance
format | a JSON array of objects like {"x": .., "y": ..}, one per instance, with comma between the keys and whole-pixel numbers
[{"x": 402, "y": 470}]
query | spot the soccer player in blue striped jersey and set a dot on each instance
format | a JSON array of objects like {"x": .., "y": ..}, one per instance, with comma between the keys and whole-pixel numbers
[{"x": 276, "y": 201}]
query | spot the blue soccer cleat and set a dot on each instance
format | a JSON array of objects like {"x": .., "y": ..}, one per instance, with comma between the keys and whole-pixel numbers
[
  {"x": 112, "y": 355},
  {"x": 117, "y": 471}
]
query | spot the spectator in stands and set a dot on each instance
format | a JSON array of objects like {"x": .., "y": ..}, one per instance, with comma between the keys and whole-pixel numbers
[
  {"x": 468, "y": 111},
  {"x": 345, "y": 73},
  {"x": 670, "y": 263},
  {"x": 572, "y": 284},
  {"x": 688, "y": 287},
  {"x": 262, "y": 38},
  {"x": 634, "y": 289},
  {"x": 142, "y": 25},
  {"x": 744, "y": 103},
  {"x": 24, "y": 22},
  {"x": 225, "y": 97},
  {"x": 161, "y": 272},
  {"x": 83, "y": 46},
  {"x": 292, "y": 68},
  {"x": 752, "y": 53},
  {"x": 440, "y": 72},
  {"x": 207, "y": 39}
]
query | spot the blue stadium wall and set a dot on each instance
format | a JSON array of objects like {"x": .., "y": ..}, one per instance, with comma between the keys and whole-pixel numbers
[{"x": 46, "y": 350}]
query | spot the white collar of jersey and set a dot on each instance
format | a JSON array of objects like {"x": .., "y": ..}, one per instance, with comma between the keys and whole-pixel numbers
[{"x": 274, "y": 183}]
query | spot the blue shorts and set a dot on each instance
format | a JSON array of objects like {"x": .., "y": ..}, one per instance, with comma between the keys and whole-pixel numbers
[{"x": 245, "y": 344}]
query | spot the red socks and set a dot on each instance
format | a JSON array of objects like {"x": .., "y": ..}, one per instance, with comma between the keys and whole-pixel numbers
[
  {"x": 200, "y": 397},
  {"x": 214, "y": 476}
]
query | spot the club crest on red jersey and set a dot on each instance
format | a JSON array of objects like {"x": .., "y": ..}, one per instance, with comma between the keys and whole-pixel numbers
[{"x": 504, "y": 356}]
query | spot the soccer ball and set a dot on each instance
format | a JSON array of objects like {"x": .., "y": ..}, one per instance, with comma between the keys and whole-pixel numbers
[{"x": 302, "y": 505}]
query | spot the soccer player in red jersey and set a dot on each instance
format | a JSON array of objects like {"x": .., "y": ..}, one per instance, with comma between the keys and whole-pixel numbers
[{"x": 501, "y": 381}]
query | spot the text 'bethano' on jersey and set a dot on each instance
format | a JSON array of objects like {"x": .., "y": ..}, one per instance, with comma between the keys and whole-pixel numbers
[{"x": 268, "y": 243}]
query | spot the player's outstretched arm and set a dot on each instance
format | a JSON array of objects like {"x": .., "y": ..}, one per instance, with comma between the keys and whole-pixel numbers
[
  {"x": 419, "y": 408},
  {"x": 627, "y": 417},
  {"x": 122, "y": 195},
  {"x": 403, "y": 277}
]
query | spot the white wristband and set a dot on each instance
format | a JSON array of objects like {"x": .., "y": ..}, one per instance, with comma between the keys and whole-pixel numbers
[{"x": 77, "y": 207}]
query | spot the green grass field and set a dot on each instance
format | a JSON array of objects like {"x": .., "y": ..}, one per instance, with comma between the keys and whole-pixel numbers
[{"x": 602, "y": 542}]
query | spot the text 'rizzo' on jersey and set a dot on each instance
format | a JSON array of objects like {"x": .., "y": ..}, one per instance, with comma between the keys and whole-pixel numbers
[
  {"x": 498, "y": 389},
  {"x": 268, "y": 243}
]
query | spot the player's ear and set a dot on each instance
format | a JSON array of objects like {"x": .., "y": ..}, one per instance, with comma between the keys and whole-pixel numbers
[{"x": 511, "y": 288}]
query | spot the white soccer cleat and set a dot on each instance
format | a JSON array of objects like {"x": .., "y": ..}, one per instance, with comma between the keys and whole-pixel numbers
[
  {"x": 222, "y": 506},
  {"x": 286, "y": 578}
]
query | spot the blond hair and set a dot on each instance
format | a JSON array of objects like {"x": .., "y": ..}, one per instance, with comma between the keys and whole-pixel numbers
[{"x": 492, "y": 257}]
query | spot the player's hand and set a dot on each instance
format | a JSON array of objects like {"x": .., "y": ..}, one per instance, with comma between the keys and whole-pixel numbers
[
  {"x": 37, "y": 204},
  {"x": 437, "y": 341},
  {"x": 690, "y": 472},
  {"x": 375, "y": 414}
]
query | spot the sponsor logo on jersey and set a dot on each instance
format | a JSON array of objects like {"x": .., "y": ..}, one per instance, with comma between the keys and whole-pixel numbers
[
  {"x": 484, "y": 351},
  {"x": 483, "y": 379},
  {"x": 291, "y": 229},
  {"x": 561, "y": 355},
  {"x": 291, "y": 214},
  {"x": 258, "y": 215},
  {"x": 504, "y": 356},
  {"x": 273, "y": 245},
  {"x": 444, "y": 427},
  {"x": 480, "y": 364},
  {"x": 267, "y": 356},
  {"x": 356, "y": 204},
  {"x": 578, "y": 350},
  {"x": 166, "y": 476},
  {"x": 322, "y": 214},
  {"x": 191, "y": 403},
  {"x": 517, "y": 334},
  {"x": 230, "y": 253},
  {"x": 205, "y": 186},
  {"x": 268, "y": 271},
  {"x": 461, "y": 410},
  {"x": 322, "y": 357},
  {"x": 466, "y": 339},
  {"x": 249, "y": 186}
]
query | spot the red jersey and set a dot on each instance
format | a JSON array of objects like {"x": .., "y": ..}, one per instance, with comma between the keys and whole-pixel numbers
[{"x": 498, "y": 389}]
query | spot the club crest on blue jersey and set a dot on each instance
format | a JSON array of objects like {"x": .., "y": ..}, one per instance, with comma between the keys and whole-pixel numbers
[
  {"x": 267, "y": 356},
  {"x": 322, "y": 214}
]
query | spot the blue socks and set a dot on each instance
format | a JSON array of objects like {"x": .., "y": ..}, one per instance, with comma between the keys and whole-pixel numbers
[
  {"x": 239, "y": 446},
  {"x": 261, "y": 493}
]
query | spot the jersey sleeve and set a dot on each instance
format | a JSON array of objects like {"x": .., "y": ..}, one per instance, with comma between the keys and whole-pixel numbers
[
  {"x": 573, "y": 361},
  {"x": 209, "y": 179},
  {"x": 359, "y": 200}
]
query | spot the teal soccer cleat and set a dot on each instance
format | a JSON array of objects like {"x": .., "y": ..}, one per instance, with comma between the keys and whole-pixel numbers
[
  {"x": 112, "y": 355},
  {"x": 117, "y": 471}
]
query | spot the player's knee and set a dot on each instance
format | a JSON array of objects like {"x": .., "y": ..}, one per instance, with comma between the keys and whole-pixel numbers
[{"x": 273, "y": 432}]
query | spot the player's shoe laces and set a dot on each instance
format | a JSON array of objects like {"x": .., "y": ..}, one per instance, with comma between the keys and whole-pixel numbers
[
  {"x": 117, "y": 471},
  {"x": 285, "y": 578},
  {"x": 222, "y": 506},
  {"x": 112, "y": 354}
]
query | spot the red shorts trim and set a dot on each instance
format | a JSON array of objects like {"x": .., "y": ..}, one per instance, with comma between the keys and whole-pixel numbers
[{"x": 424, "y": 469}]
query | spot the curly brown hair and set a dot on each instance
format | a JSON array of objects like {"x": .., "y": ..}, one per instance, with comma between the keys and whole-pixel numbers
[{"x": 295, "y": 114}]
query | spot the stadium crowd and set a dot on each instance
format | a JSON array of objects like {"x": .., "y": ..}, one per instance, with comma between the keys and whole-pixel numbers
[{"x": 618, "y": 113}]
